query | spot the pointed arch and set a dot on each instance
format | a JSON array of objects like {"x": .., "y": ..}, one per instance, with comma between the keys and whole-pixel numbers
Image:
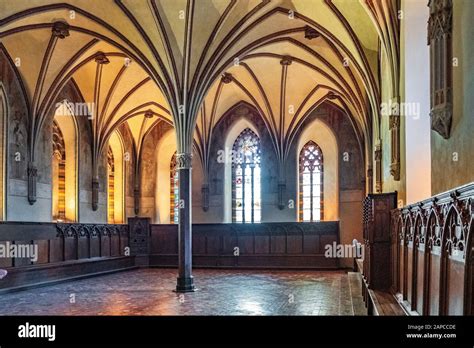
[
  {"x": 453, "y": 260},
  {"x": 115, "y": 180},
  {"x": 419, "y": 259},
  {"x": 65, "y": 164},
  {"x": 321, "y": 134},
  {"x": 3, "y": 152},
  {"x": 434, "y": 233},
  {"x": 400, "y": 255},
  {"x": 165, "y": 151}
]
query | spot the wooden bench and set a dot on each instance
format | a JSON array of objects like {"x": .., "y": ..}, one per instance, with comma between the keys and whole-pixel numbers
[
  {"x": 378, "y": 302},
  {"x": 383, "y": 303}
]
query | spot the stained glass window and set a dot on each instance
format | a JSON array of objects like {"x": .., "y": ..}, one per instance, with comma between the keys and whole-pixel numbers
[
  {"x": 174, "y": 191},
  {"x": 59, "y": 174},
  {"x": 246, "y": 171},
  {"x": 311, "y": 182}
]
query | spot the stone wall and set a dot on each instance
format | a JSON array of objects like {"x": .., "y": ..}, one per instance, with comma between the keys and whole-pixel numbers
[
  {"x": 18, "y": 207},
  {"x": 452, "y": 163}
]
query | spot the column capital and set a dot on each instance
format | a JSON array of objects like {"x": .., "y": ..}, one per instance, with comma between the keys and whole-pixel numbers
[{"x": 184, "y": 160}]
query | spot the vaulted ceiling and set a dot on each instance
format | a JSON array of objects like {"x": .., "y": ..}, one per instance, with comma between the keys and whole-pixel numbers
[{"x": 189, "y": 61}]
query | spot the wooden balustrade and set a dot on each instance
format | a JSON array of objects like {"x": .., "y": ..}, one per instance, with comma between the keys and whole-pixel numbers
[{"x": 432, "y": 254}]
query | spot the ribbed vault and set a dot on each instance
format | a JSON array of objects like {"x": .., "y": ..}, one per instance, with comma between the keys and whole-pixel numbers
[{"x": 184, "y": 46}]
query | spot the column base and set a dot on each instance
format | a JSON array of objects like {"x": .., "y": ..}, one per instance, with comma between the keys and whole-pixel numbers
[{"x": 185, "y": 284}]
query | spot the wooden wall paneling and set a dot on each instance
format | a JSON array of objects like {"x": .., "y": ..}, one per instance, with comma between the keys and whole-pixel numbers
[
  {"x": 64, "y": 251},
  {"x": 435, "y": 256},
  {"x": 259, "y": 245}
]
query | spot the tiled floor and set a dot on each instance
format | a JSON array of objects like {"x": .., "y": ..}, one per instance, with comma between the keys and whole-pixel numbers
[{"x": 221, "y": 292}]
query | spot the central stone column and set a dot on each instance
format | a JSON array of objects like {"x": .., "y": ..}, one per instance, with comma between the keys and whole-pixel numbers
[{"x": 185, "y": 278}]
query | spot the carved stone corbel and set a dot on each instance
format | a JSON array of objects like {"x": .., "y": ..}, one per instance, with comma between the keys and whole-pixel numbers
[
  {"x": 32, "y": 172},
  {"x": 281, "y": 194},
  {"x": 95, "y": 193},
  {"x": 394, "y": 127},
  {"x": 205, "y": 197},
  {"x": 441, "y": 119},
  {"x": 136, "y": 200}
]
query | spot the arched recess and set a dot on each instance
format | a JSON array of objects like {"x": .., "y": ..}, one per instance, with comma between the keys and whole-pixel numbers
[
  {"x": 234, "y": 131},
  {"x": 166, "y": 182},
  {"x": 115, "y": 180},
  {"x": 65, "y": 164},
  {"x": 453, "y": 263},
  {"x": 433, "y": 263},
  {"x": 419, "y": 263},
  {"x": 408, "y": 259},
  {"x": 165, "y": 151},
  {"x": 400, "y": 256},
  {"x": 321, "y": 134},
  {"x": 3, "y": 151}
]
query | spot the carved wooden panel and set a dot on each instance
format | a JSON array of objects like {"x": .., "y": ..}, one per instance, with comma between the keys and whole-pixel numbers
[
  {"x": 139, "y": 235},
  {"x": 377, "y": 233},
  {"x": 433, "y": 285},
  {"x": 83, "y": 246},
  {"x": 434, "y": 267}
]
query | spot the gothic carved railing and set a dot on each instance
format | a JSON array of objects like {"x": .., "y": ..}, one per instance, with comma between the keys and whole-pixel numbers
[{"x": 432, "y": 253}]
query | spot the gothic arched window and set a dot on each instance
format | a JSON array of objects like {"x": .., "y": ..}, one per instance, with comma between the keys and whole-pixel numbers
[
  {"x": 246, "y": 199},
  {"x": 116, "y": 184},
  {"x": 59, "y": 174},
  {"x": 111, "y": 185},
  {"x": 174, "y": 191},
  {"x": 311, "y": 182}
]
